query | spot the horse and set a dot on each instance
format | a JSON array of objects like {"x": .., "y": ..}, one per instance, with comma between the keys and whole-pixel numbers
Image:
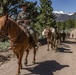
[
  {"x": 63, "y": 36},
  {"x": 53, "y": 37},
  {"x": 56, "y": 38},
  {"x": 20, "y": 42},
  {"x": 48, "y": 34}
]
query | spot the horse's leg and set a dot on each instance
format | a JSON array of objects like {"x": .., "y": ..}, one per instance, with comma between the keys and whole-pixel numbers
[
  {"x": 47, "y": 45},
  {"x": 60, "y": 40},
  {"x": 34, "y": 51},
  {"x": 27, "y": 52},
  {"x": 19, "y": 62},
  {"x": 56, "y": 45},
  {"x": 51, "y": 44},
  {"x": 18, "y": 59}
]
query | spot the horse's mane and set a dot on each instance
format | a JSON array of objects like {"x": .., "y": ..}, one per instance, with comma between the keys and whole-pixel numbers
[
  {"x": 13, "y": 21},
  {"x": 3, "y": 19},
  {"x": 15, "y": 24}
]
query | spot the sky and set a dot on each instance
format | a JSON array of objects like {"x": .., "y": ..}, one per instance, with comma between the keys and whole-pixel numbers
[{"x": 62, "y": 5}]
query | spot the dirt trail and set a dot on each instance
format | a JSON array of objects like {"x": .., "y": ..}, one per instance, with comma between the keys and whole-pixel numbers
[{"x": 47, "y": 62}]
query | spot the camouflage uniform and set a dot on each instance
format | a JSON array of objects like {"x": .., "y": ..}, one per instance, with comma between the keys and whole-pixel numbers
[{"x": 26, "y": 16}]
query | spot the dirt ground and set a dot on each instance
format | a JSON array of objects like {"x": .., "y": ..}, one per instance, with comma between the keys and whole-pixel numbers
[{"x": 47, "y": 62}]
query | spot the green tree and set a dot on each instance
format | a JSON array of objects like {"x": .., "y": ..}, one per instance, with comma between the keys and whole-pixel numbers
[
  {"x": 46, "y": 17},
  {"x": 75, "y": 23},
  {"x": 12, "y": 6},
  {"x": 69, "y": 24},
  {"x": 58, "y": 24},
  {"x": 8, "y": 4},
  {"x": 33, "y": 10}
]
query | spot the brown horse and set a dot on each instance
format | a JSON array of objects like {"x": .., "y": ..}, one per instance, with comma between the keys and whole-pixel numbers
[
  {"x": 56, "y": 38},
  {"x": 20, "y": 42},
  {"x": 53, "y": 37},
  {"x": 48, "y": 34}
]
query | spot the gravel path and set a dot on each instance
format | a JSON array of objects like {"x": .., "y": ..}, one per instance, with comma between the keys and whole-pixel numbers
[{"x": 47, "y": 62}]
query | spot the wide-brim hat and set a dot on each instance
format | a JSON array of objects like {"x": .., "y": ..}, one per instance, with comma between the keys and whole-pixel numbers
[{"x": 24, "y": 4}]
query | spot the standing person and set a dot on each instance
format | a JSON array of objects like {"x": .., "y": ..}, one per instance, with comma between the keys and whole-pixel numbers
[
  {"x": 72, "y": 35},
  {"x": 64, "y": 35},
  {"x": 24, "y": 19}
]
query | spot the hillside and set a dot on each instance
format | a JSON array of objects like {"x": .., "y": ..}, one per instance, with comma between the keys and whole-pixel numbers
[{"x": 62, "y": 16}]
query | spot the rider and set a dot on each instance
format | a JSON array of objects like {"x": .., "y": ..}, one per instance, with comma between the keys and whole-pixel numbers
[{"x": 24, "y": 19}]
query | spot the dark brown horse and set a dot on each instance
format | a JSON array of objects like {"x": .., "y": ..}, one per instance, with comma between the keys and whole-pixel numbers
[
  {"x": 56, "y": 38},
  {"x": 20, "y": 42}
]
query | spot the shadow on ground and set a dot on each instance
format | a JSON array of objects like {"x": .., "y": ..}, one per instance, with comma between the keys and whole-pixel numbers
[
  {"x": 70, "y": 42},
  {"x": 64, "y": 50},
  {"x": 42, "y": 41},
  {"x": 3, "y": 59},
  {"x": 66, "y": 47},
  {"x": 45, "y": 68}
]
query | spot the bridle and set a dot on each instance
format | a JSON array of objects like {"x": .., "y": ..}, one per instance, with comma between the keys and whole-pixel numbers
[
  {"x": 7, "y": 23},
  {"x": 4, "y": 34},
  {"x": 16, "y": 36}
]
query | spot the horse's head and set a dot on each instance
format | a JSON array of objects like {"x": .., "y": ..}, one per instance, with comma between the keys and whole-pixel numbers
[
  {"x": 3, "y": 27},
  {"x": 43, "y": 33},
  {"x": 47, "y": 32}
]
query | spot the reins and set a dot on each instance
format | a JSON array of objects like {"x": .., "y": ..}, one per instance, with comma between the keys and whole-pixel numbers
[{"x": 16, "y": 36}]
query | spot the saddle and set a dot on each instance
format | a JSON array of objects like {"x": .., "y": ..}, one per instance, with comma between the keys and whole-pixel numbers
[
  {"x": 25, "y": 30},
  {"x": 31, "y": 34}
]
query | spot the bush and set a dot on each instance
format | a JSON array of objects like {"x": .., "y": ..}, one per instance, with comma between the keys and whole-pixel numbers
[{"x": 4, "y": 45}]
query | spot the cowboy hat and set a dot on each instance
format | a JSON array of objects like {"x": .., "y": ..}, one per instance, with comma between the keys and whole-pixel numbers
[{"x": 24, "y": 4}]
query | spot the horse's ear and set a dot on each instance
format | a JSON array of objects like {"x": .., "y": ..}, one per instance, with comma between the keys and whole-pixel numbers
[{"x": 6, "y": 16}]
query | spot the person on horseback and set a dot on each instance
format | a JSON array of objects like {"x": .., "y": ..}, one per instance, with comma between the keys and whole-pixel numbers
[{"x": 24, "y": 19}]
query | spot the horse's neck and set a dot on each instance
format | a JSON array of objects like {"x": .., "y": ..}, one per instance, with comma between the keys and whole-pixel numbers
[
  {"x": 48, "y": 33},
  {"x": 14, "y": 30}
]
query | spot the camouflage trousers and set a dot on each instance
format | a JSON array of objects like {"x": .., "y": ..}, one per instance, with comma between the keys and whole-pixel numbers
[{"x": 30, "y": 32}]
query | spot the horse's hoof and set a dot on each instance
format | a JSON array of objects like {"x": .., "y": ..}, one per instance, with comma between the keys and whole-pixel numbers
[
  {"x": 18, "y": 74},
  {"x": 21, "y": 67},
  {"x": 25, "y": 63},
  {"x": 55, "y": 51},
  {"x": 33, "y": 62},
  {"x": 47, "y": 49},
  {"x": 52, "y": 48}
]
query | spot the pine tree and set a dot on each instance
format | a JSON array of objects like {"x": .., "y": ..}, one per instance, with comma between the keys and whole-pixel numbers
[
  {"x": 12, "y": 7},
  {"x": 46, "y": 17},
  {"x": 8, "y": 4},
  {"x": 32, "y": 8}
]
